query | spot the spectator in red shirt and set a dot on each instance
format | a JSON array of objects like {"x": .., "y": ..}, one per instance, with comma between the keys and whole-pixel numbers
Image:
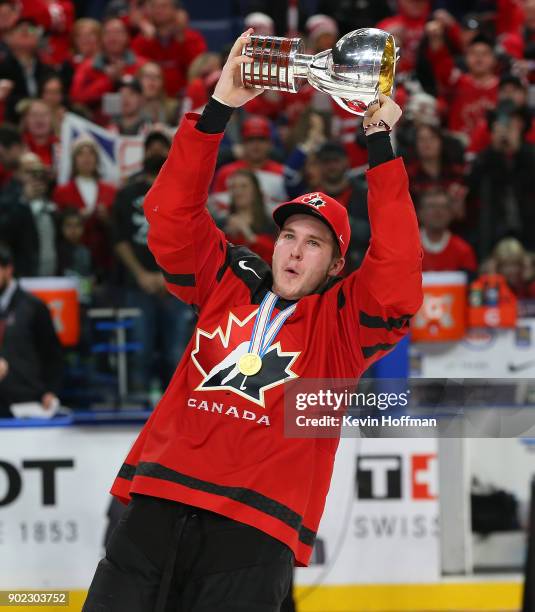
[
  {"x": 443, "y": 251},
  {"x": 469, "y": 94},
  {"x": 173, "y": 46},
  {"x": 86, "y": 37},
  {"x": 38, "y": 131},
  {"x": 92, "y": 197},
  {"x": 248, "y": 223},
  {"x": 86, "y": 40},
  {"x": 102, "y": 73},
  {"x": 257, "y": 145}
]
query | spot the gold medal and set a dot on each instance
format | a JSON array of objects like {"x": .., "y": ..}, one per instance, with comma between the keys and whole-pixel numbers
[{"x": 250, "y": 364}]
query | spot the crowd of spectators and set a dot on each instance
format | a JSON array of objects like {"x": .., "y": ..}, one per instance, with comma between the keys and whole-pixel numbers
[{"x": 465, "y": 80}]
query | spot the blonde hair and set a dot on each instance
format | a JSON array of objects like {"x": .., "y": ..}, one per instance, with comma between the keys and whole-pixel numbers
[
  {"x": 507, "y": 250},
  {"x": 200, "y": 64}
]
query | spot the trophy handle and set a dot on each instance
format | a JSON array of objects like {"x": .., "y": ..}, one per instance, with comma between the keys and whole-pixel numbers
[{"x": 278, "y": 63}]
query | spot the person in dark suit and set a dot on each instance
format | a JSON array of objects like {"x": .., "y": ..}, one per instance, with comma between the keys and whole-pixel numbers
[{"x": 31, "y": 359}]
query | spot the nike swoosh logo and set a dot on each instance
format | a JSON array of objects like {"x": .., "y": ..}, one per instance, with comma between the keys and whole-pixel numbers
[
  {"x": 244, "y": 266},
  {"x": 518, "y": 367}
]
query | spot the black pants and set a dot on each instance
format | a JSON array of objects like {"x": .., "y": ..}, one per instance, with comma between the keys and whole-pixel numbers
[{"x": 169, "y": 557}]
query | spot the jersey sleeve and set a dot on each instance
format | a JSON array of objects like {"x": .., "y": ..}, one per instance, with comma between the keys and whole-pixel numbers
[
  {"x": 182, "y": 235},
  {"x": 376, "y": 302}
]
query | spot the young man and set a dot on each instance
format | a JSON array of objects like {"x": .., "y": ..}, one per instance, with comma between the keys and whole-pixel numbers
[
  {"x": 443, "y": 251},
  {"x": 222, "y": 504},
  {"x": 469, "y": 94}
]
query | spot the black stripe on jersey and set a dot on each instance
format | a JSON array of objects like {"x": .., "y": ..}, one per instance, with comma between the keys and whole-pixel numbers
[
  {"x": 181, "y": 280},
  {"x": 341, "y": 298},
  {"x": 240, "y": 494},
  {"x": 379, "y": 323},
  {"x": 127, "y": 471},
  {"x": 224, "y": 266},
  {"x": 369, "y": 351}
]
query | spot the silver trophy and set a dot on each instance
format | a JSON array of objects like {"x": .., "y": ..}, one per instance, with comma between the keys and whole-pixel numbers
[{"x": 360, "y": 66}]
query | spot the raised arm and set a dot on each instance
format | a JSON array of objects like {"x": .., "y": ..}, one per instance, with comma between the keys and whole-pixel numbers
[
  {"x": 379, "y": 299},
  {"x": 440, "y": 57},
  {"x": 182, "y": 235}
]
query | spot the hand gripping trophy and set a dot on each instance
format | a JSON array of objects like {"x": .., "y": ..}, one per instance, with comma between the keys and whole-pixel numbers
[{"x": 354, "y": 72}]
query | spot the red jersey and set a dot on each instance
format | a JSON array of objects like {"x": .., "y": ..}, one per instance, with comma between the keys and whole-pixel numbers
[
  {"x": 216, "y": 444},
  {"x": 172, "y": 55},
  {"x": 469, "y": 99},
  {"x": 450, "y": 254}
]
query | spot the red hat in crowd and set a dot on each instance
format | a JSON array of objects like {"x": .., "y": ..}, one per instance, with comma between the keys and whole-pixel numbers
[
  {"x": 256, "y": 127},
  {"x": 324, "y": 208}
]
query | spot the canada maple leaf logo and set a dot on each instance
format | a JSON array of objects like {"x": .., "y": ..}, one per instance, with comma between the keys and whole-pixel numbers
[
  {"x": 216, "y": 356},
  {"x": 313, "y": 199}
]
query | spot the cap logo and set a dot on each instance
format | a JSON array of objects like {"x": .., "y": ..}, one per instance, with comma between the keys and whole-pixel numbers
[{"x": 313, "y": 199}]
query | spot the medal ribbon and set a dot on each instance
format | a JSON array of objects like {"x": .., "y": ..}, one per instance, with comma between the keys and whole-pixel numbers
[{"x": 264, "y": 331}]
